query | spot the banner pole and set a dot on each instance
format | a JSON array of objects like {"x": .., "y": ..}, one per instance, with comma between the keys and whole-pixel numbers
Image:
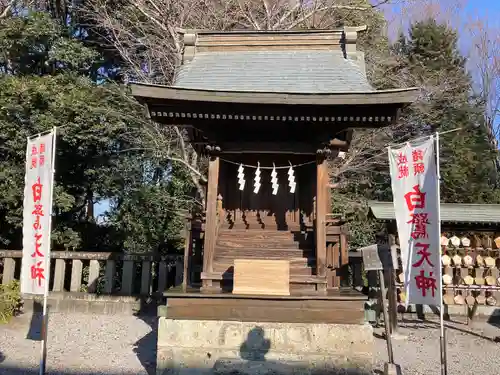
[
  {"x": 442, "y": 337},
  {"x": 45, "y": 318}
]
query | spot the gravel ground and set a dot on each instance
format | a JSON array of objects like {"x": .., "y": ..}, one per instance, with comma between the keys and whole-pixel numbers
[
  {"x": 471, "y": 349},
  {"x": 81, "y": 343},
  {"x": 92, "y": 344}
]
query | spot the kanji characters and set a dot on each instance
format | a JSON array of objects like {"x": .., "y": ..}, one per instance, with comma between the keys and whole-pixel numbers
[
  {"x": 419, "y": 228},
  {"x": 418, "y": 161},
  {"x": 417, "y": 155},
  {"x": 403, "y": 170},
  {"x": 37, "y": 273},
  {"x": 37, "y": 191},
  {"x": 424, "y": 254},
  {"x": 38, "y": 245},
  {"x": 402, "y": 159},
  {"x": 40, "y": 160},
  {"x": 38, "y": 211},
  {"x": 415, "y": 199},
  {"x": 418, "y": 168},
  {"x": 426, "y": 283}
]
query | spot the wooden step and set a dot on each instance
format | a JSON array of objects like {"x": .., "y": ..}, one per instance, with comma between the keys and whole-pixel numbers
[
  {"x": 261, "y": 244},
  {"x": 255, "y": 225},
  {"x": 262, "y": 253},
  {"x": 294, "y": 262},
  {"x": 296, "y": 279},
  {"x": 265, "y": 233},
  {"x": 294, "y": 271}
]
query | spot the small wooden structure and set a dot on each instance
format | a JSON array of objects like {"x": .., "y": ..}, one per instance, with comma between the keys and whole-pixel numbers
[{"x": 270, "y": 101}]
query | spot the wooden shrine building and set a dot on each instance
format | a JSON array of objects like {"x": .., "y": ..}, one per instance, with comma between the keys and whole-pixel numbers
[{"x": 268, "y": 109}]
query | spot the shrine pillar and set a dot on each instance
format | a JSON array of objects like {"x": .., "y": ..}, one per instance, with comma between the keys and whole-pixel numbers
[
  {"x": 210, "y": 219},
  {"x": 321, "y": 212}
]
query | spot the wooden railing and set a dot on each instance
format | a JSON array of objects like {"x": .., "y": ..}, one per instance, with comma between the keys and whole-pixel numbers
[{"x": 103, "y": 273}]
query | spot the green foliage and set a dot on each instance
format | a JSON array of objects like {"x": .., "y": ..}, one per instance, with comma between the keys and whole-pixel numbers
[
  {"x": 45, "y": 82},
  {"x": 10, "y": 300},
  {"x": 37, "y": 45},
  {"x": 157, "y": 224}
]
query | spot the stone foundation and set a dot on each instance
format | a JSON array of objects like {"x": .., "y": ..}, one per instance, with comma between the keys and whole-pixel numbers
[{"x": 197, "y": 347}]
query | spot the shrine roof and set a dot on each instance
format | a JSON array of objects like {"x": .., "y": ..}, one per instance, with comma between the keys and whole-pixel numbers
[
  {"x": 450, "y": 212},
  {"x": 308, "y": 61},
  {"x": 298, "y": 71},
  {"x": 309, "y": 67}
]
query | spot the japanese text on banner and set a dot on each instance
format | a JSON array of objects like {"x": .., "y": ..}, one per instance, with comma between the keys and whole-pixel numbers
[
  {"x": 415, "y": 191},
  {"x": 36, "y": 214}
]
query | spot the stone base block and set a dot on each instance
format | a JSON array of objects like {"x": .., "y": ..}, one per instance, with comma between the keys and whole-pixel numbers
[{"x": 196, "y": 347}]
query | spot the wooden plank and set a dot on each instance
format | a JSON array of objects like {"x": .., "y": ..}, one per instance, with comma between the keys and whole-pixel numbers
[
  {"x": 253, "y": 39},
  {"x": 321, "y": 206},
  {"x": 283, "y": 47},
  {"x": 336, "y": 315},
  {"x": 344, "y": 256},
  {"x": 211, "y": 218},
  {"x": 264, "y": 303},
  {"x": 258, "y": 276},
  {"x": 333, "y": 295},
  {"x": 187, "y": 253}
]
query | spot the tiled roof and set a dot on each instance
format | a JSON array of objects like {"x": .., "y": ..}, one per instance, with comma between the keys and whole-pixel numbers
[
  {"x": 450, "y": 212},
  {"x": 292, "y": 71}
]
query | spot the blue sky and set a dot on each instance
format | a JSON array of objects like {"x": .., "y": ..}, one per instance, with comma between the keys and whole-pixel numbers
[{"x": 490, "y": 8}]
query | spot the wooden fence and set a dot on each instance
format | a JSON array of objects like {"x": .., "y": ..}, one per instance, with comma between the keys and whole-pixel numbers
[{"x": 102, "y": 273}]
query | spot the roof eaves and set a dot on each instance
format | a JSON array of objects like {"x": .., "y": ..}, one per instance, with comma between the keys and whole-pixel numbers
[
  {"x": 450, "y": 212},
  {"x": 393, "y": 96}
]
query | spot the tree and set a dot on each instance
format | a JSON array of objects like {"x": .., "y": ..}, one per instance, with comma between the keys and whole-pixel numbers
[
  {"x": 484, "y": 60},
  {"x": 46, "y": 81},
  {"x": 431, "y": 60}
]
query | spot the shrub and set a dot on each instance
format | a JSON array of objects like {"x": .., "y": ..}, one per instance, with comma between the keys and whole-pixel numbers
[{"x": 10, "y": 300}]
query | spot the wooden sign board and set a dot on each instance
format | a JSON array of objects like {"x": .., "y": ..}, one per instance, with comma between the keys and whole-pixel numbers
[
  {"x": 377, "y": 257},
  {"x": 261, "y": 277}
]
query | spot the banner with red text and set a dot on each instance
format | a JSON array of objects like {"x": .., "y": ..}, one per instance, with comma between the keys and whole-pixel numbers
[
  {"x": 415, "y": 187},
  {"x": 36, "y": 214}
]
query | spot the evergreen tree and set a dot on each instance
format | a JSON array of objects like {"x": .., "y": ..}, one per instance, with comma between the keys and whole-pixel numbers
[{"x": 432, "y": 61}]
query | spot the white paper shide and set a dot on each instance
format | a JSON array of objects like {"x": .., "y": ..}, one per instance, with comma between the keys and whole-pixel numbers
[
  {"x": 416, "y": 203},
  {"x": 36, "y": 214}
]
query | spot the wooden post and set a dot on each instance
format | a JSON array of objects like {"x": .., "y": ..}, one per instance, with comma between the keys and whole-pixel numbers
[
  {"x": 211, "y": 219},
  {"x": 187, "y": 255},
  {"x": 392, "y": 292},
  {"x": 321, "y": 207}
]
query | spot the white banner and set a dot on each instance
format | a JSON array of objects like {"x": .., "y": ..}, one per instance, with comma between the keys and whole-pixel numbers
[
  {"x": 36, "y": 214},
  {"x": 415, "y": 187}
]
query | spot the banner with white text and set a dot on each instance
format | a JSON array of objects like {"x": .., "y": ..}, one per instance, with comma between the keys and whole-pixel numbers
[
  {"x": 36, "y": 214},
  {"x": 415, "y": 187}
]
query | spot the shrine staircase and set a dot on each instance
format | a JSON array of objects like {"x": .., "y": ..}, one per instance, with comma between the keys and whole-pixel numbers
[{"x": 263, "y": 237}]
